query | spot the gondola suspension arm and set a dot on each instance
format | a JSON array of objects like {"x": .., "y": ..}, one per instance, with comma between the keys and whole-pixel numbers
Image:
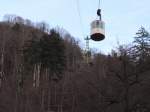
[{"x": 99, "y": 11}]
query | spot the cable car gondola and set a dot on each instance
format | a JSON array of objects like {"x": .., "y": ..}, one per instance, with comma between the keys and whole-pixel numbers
[{"x": 98, "y": 28}]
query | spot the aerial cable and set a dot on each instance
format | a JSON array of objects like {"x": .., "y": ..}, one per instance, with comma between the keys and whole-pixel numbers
[
  {"x": 99, "y": 4},
  {"x": 80, "y": 18}
]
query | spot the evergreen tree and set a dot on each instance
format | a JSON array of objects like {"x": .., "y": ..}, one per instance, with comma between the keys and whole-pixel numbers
[
  {"x": 142, "y": 44},
  {"x": 49, "y": 51},
  {"x": 141, "y": 49}
]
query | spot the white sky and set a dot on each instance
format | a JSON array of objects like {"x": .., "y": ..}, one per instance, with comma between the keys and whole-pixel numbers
[{"x": 122, "y": 17}]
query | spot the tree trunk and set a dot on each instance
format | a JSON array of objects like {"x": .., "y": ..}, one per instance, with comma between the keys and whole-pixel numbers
[{"x": 126, "y": 100}]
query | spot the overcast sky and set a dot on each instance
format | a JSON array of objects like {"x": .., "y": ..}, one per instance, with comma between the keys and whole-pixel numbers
[{"x": 122, "y": 17}]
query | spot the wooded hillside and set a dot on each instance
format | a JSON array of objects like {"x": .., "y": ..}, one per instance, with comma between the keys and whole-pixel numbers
[{"x": 43, "y": 69}]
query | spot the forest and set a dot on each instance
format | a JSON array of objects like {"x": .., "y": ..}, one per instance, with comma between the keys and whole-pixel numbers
[{"x": 44, "y": 69}]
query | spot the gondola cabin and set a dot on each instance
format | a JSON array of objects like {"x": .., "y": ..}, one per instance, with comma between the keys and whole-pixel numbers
[{"x": 97, "y": 30}]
